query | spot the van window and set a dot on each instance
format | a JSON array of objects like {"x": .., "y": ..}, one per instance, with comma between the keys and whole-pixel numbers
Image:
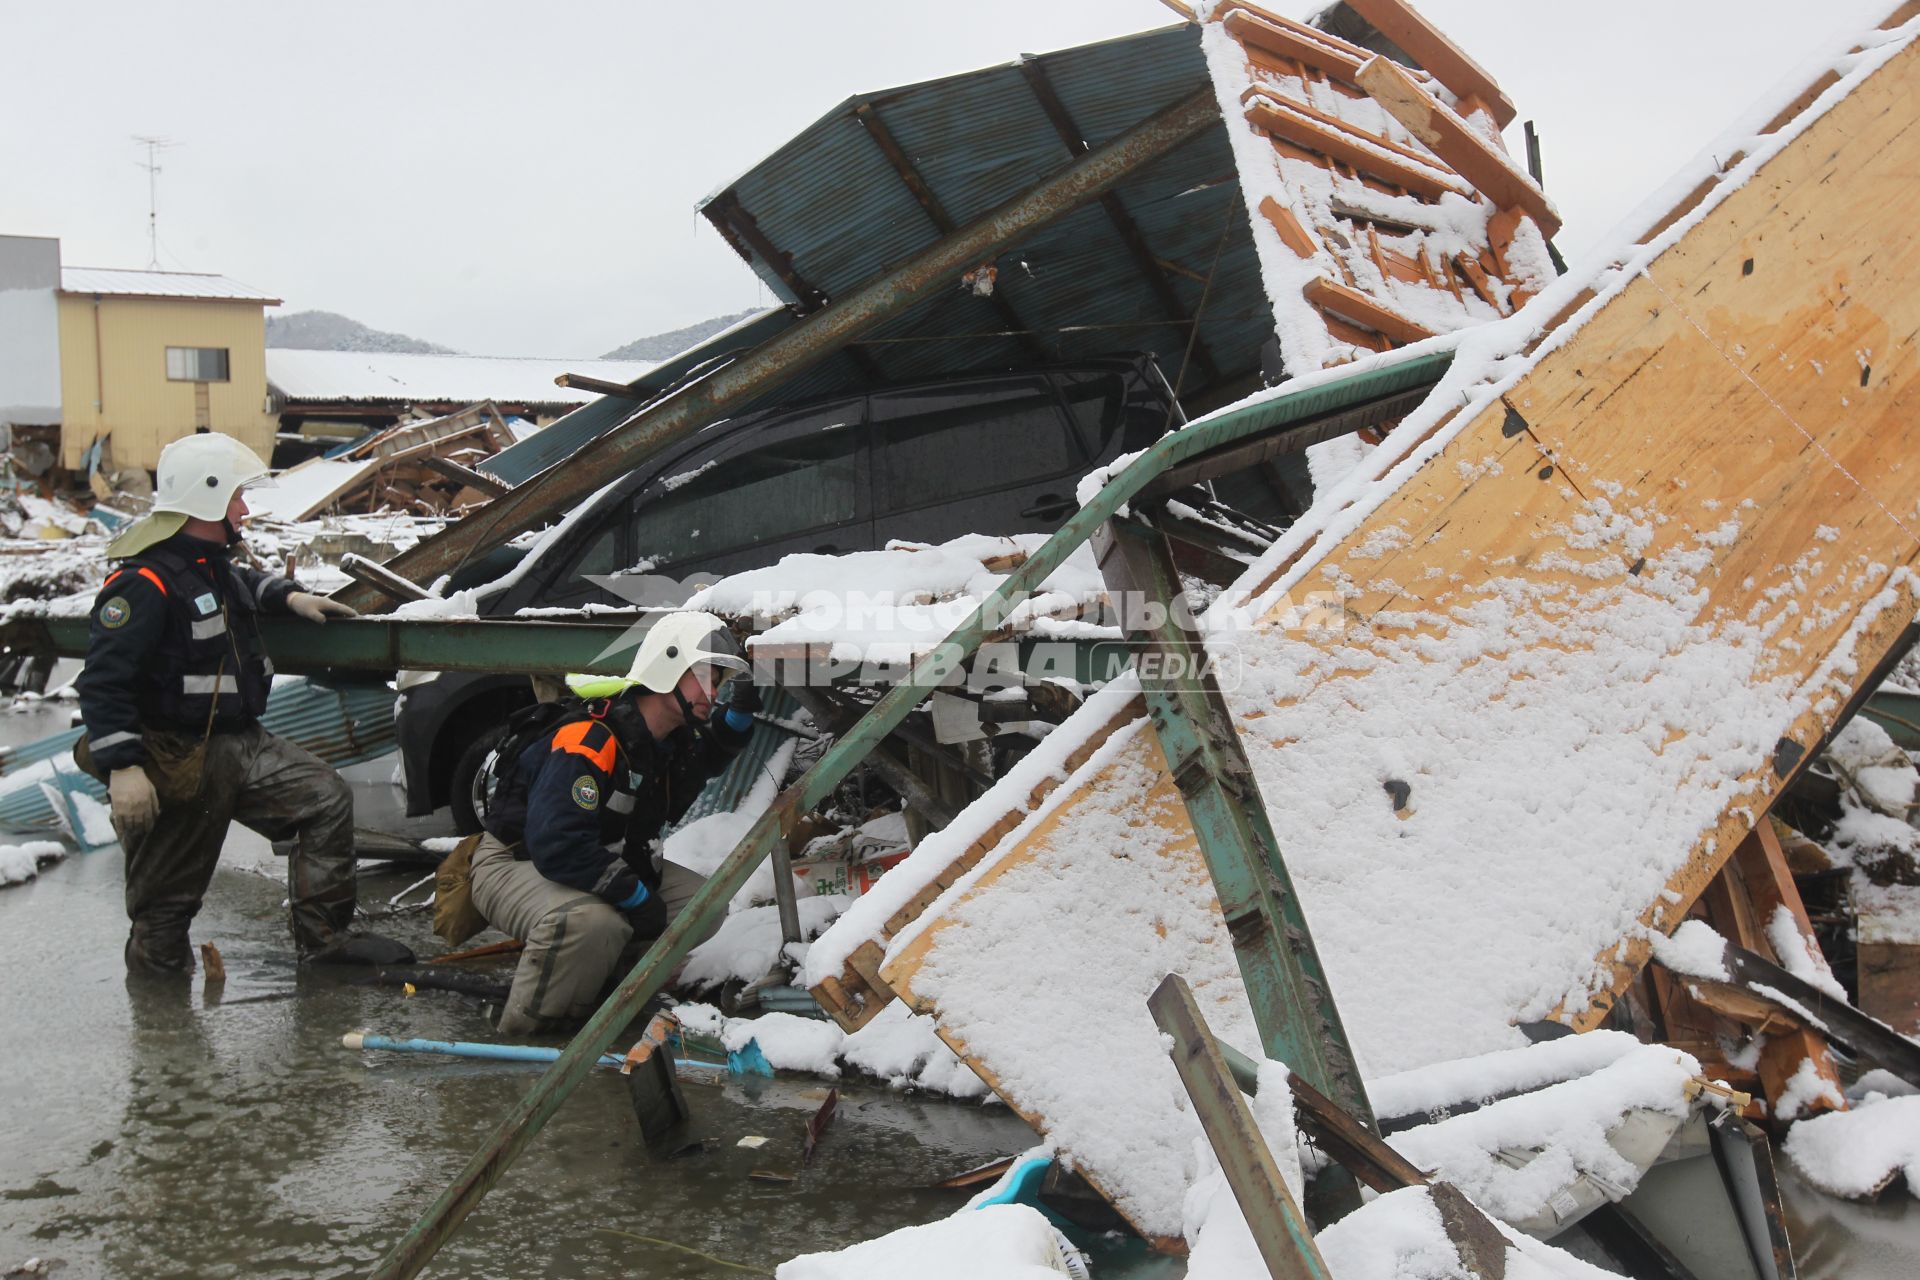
[
  {"x": 946, "y": 443},
  {"x": 778, "y": 490}
]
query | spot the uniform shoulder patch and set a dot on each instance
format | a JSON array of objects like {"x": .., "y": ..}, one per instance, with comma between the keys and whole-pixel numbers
[
  {"x": 586, "y": 792},
  {"x": 115, "y": 612}
]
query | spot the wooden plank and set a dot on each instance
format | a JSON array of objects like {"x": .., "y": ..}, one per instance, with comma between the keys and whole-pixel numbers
[
  {"x": 1489, "y": 169},
  {"x": 1279, "y": 1229},
  {"x": 1762, "y": 867},
  {"x": 1291, "y": 123},
  {"x": 1428, "y": 46},
  {"x": 1351, "y": 304},
  {"x": 1285, "y": 39},
  {"x": 1295, "y": 236},
  {"x": 1889, "y": 976}
]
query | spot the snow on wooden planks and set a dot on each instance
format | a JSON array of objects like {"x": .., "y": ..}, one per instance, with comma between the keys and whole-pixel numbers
[{"x": 1587, "y": 639}]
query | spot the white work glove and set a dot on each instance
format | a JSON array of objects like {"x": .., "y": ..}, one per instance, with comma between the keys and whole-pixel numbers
[
  {"x": 135, "y": 804},
  {"x": 318, "y": 608}
]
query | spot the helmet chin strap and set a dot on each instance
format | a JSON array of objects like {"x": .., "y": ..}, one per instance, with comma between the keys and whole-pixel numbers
[{"x": 686, "y": 710}]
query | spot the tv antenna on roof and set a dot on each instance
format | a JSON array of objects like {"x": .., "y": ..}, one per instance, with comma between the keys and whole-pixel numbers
[{"x": 154, "y": 147}]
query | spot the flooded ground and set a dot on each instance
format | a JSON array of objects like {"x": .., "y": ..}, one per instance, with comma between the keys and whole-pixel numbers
[{"x": 154, "y": 1131}]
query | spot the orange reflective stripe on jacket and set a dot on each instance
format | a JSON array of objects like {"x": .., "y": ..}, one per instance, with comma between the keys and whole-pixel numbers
[
  {"x": 152, "y": 577},
  {"x": 573, "y": 737}
]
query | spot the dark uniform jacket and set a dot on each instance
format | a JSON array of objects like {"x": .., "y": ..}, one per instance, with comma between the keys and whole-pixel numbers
[
  {"x": 597, "y": 782},
  {"x": 174, "y": 643}
]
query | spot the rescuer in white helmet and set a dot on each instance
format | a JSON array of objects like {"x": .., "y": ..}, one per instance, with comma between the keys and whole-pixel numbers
[
  {"x": 175, "y": 682},
  {"x": 582, "y": 787}
]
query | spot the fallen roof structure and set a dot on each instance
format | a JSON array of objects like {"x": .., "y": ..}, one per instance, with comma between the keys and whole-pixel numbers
[
  {"x": 1647, "y": 540},
  {"x": 1080, "y": 203}
]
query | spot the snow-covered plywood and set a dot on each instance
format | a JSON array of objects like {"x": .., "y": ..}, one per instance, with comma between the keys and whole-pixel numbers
[{"x": 1589, "y": 621}]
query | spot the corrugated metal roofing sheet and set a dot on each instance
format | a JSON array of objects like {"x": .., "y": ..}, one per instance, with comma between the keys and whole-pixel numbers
[
  {"x": 835, "y": 214},
  {"x": 159, "y": 284}
]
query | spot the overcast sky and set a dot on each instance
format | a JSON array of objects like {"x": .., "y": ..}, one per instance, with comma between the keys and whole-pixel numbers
[{"x": 510, "y": 179}]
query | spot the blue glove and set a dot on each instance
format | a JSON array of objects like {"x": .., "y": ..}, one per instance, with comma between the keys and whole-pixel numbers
[
  {"x": 634, "y": 899},
  {"x": 744, "y": 701}
]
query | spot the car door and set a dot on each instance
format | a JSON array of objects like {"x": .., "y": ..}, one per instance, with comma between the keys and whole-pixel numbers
[
  {"x": 794, "y": 483},
  {"x": 995, "y": 455}
]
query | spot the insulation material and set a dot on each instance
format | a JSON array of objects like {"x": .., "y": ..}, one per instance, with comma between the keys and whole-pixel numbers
[{"x": 1585, "y": 605}]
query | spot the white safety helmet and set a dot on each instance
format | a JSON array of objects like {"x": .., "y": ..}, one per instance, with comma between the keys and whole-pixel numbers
[
  {"x": 199, "y": 474},
  {"x": 672, "y": 646}
]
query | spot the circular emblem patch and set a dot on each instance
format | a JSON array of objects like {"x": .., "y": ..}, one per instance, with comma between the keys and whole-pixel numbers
[
  {"x": 586, "y": 792},
  {"x": 115, "y": 612}
]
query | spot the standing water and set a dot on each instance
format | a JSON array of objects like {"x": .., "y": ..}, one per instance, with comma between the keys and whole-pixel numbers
[{"x": 165, "y": 1130}]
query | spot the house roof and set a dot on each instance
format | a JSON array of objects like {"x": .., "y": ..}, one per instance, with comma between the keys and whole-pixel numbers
[
  {"x": 406, "y": 378},
  {"x": 116, "y": 282}
]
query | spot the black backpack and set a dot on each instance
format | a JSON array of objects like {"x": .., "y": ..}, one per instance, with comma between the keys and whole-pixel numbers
[{"x": 525, "y": 727}]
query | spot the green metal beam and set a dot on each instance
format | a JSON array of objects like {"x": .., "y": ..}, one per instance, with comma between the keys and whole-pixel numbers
[
  {"x": 1293, "y": 1006},
  {"x": 520, "y": 646},
  {"x": 1285, "y": 411}
]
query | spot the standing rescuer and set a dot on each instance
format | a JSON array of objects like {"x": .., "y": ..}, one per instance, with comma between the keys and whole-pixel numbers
[
  {"x": 175, "y": 681},
  {"x": 568, "y": 861}
]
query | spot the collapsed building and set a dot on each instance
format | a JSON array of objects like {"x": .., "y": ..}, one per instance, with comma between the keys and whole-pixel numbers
[{"x": 1457, "y": 818}]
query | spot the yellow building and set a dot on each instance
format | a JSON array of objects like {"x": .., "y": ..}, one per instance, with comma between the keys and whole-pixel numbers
[{"x": 147, "y": 357}]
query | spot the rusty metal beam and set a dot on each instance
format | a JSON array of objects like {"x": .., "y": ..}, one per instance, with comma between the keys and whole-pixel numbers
[
  {"x": 1143, "y": 257},
  {"x": 820, "y": 335},
  {"x": 943, "y": 222}
]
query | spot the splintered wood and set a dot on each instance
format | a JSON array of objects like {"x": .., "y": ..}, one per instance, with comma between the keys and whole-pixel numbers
[{"x": 1589, "y": 637}]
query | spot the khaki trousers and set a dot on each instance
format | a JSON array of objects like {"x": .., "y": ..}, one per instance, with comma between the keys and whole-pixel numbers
[{"x": 575, "y": 941}]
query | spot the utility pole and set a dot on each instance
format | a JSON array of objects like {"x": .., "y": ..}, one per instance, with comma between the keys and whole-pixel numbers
[{"x": 154, "y": 147}]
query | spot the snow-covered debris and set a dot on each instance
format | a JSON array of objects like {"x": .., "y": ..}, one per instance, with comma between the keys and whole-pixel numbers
[
  {"x": 1434, "y": 1089},
  {"x": 1002, "y": 1241},
  {"x": 1401, "y": 1236},
  {"x": 22, "y": 862},
  {"x": 892, "y": 605},
  {"x": 1695, "y": 950},
  {"x": 1568, "y": 1131},
  {"x": 1858, "y": 1153},
  {"x": 898, "y": 1047}
]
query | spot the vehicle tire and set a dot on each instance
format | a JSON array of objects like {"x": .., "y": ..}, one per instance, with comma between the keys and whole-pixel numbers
[{"x": 463, "y": 791}]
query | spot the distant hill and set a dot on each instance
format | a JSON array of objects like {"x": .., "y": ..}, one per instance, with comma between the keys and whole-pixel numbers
[
  {"x": 661, "y": 346},
  {"x": 325, "y": 331}
]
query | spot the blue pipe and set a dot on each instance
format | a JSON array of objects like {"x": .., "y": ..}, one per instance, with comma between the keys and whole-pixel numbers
[
  {"x": 465, "y": 1049},
  {"x": 740, "y": 1062}
]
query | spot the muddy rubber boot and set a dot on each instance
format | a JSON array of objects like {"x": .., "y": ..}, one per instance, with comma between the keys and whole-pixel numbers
[
  {"x": 368, "y": 949},
  {"x": 158, "y": 951}
]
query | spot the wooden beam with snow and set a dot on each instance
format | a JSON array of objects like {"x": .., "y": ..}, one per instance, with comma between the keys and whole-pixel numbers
[
  {"x": 1314, "y": 131},
  {"x": 1491, "y": 170},
  {"x": 1428, "y": 46},
  {"x": 1295, "y": 236},
  {"x": 1283, "y": 38},
  {"x": 1359, "y": 308}
]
